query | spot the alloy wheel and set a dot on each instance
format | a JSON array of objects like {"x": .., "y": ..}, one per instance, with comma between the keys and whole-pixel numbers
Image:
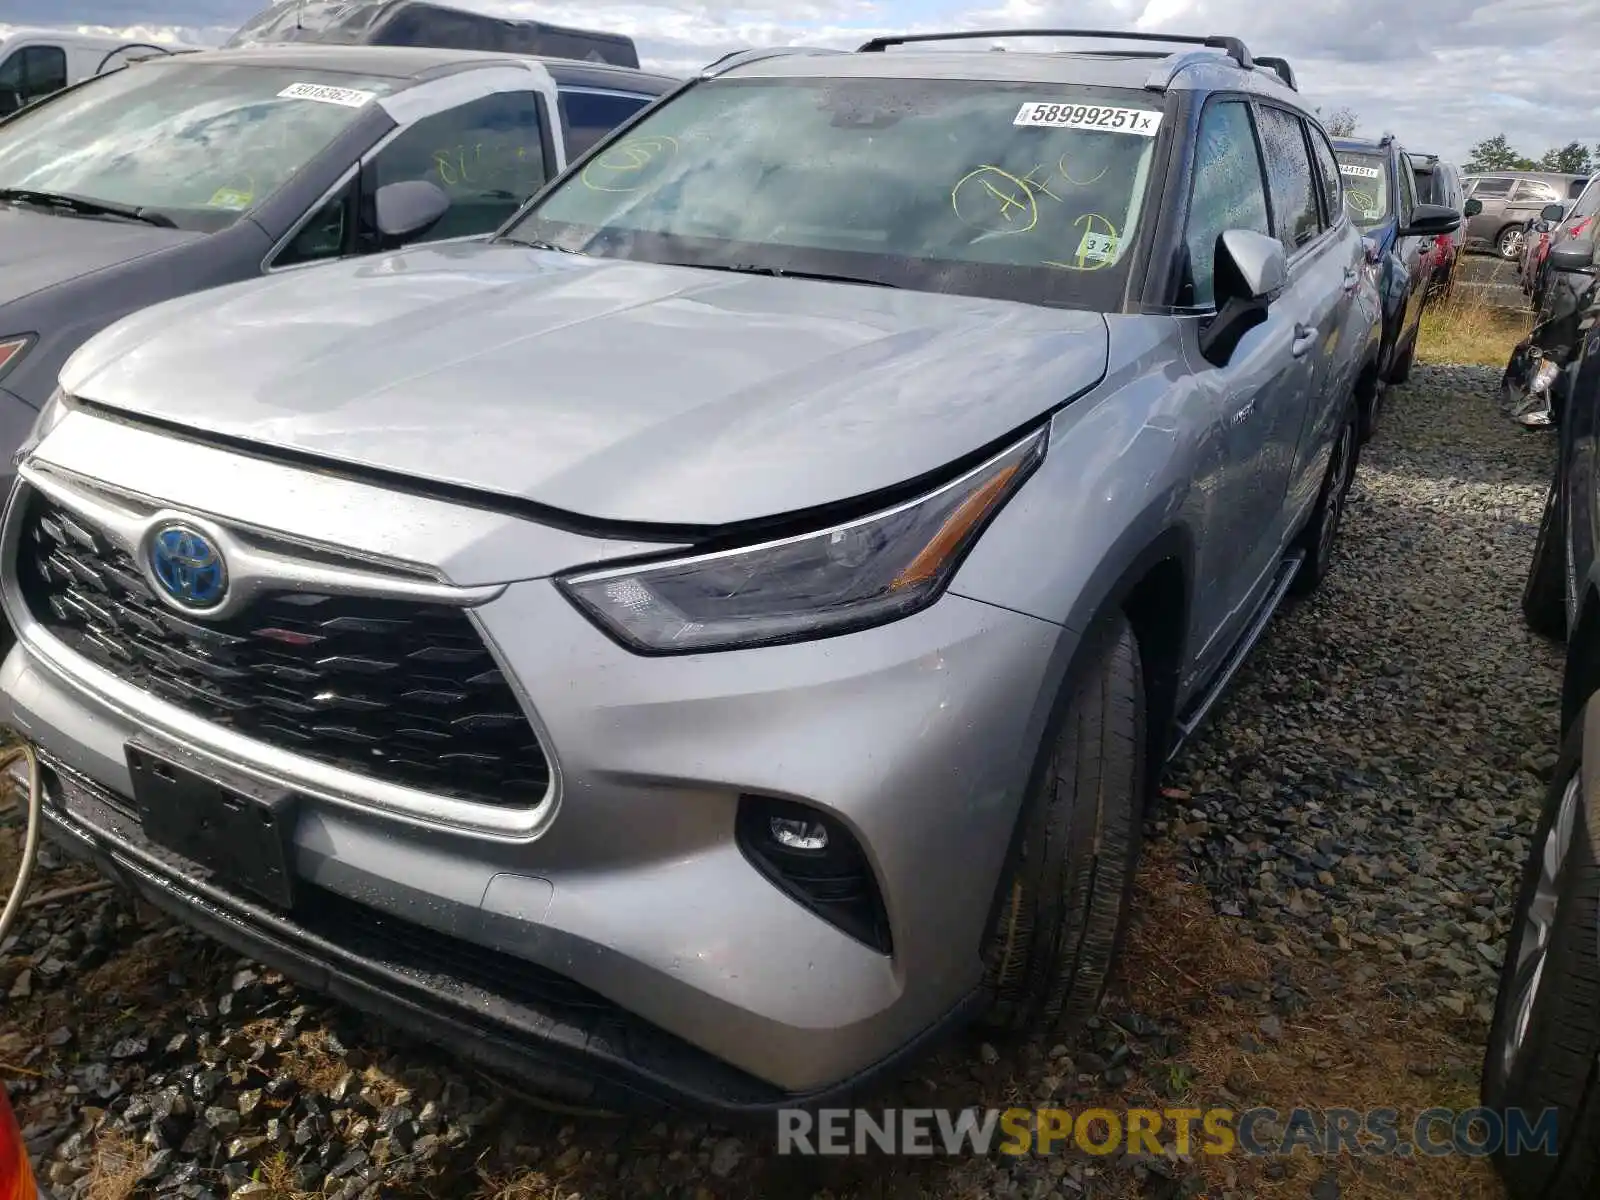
[
  {"x": 1511, "y": 244},
  {"x": 1534, "y": 932}
]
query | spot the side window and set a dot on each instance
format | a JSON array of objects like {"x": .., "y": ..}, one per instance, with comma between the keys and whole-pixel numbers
[
  {"x": 1492, "y": 189},
  {"x": 1328, "y": 169},
  {"x": 32, "y": 73},
  {"x": 1408, "y": 196},
  {"x": 1294, "y": 197},
  {"x": 487, "y": 156},
  {"x": 1575, "y": 188},
  {"x": 1532, "y": 191},
  {"x": 1229, "y": 193},
  {"x": 586, "y": 117}
]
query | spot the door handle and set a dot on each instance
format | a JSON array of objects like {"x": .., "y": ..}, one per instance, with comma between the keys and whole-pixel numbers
[{"x": 1304, "y": 339}]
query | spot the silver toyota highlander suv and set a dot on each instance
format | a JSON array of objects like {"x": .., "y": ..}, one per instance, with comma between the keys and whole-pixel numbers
[{"x": 702, "y": 641}]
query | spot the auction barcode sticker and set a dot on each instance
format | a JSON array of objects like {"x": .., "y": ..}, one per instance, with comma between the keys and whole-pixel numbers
[
  {"x": 1101, "y": 247},
  {"x": 323, "y": 94},
  {"x": 1359, "y": 172},
  {"x": 1142, "y": 121}
]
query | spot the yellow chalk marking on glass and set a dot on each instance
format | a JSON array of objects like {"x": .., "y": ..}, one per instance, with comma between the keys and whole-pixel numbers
[
  {"x": 1018, "y": 209},
  {"x": 1061, "y": 165},
  {"x": 627, "y": 157}
]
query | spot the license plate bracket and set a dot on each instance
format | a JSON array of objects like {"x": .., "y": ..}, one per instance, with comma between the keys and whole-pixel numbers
[{"x": 241, "y": 830}]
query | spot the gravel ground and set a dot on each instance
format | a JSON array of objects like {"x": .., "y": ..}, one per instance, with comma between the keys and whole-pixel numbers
[{"x": 1320, "y": 921}]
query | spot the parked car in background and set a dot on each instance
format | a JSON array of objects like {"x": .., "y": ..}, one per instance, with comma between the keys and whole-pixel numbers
[
  {"x": 255, "y": 162},
  {"x": 1399, "y": 232},
  {"x": 35, "y": 63},
  {"x": 1545, "y": 1037},
  {"x": 423, "y": 23},
  {"x": 1441, "y": 182},
  {"x": 1561, "y": 223},
  {"x": 1509, "y": 199},
  {"x": 751, "y": 436},
  {"x": 1539, "y": 375}
]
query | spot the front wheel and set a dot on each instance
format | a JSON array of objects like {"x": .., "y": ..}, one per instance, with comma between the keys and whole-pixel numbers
[
  {"x": 1065, "y": 902},
  {"x": 1509, "y": 243},
  {"x": 1322, "y": 530},
  {"x": 1545, "y": 1036}
]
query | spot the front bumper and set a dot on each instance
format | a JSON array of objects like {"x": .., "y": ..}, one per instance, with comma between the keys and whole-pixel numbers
[{"x": 715, "y": 989}]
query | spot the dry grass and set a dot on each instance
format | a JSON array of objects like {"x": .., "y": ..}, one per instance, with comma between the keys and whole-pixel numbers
[
  {"x": 1354, "y": 1047},
  {"x": 1468, "y": 329},
  {"x": 118, "y": 1163}
]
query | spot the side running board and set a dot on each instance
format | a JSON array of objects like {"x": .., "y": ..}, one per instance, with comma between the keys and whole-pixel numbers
[{"x": 1190, "y": 721}]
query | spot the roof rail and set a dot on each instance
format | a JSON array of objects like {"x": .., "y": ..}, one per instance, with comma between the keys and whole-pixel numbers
[
  {"x": 1172, "y": 66},
  {"x": 1279, "y": 67},
  {"x": 738, "y": 58},
  {"x": 1232, "y": 46}
]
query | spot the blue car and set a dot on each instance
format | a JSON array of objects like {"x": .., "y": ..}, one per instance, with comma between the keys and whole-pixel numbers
[{"x": 1380, "y": 194}]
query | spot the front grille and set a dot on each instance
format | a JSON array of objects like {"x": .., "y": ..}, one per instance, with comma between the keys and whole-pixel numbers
[{"x": 396, "y": 690}]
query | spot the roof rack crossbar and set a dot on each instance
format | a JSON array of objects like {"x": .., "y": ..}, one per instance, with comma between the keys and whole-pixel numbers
[
  {"x": 1232, "y": 46},
  {"x": 1279, "y": 67}
]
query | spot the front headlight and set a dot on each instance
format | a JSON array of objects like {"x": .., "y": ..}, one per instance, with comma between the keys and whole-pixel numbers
[
  {"x": 848, "y": 577},
  {"x": 51, "y": 414}
]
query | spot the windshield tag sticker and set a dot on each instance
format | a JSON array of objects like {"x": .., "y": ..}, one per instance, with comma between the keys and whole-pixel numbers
[
  {"x": 1359, "y": 172},
  {"x": 1142, "y": 121},
  {"x": 227, "y": 197},
  {"x": 323, "y": 94},
  {"x": 1097, "y": 247}
]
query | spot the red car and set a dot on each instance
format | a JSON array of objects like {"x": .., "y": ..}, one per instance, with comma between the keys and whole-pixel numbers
[{"x": 1439, "y": 182}]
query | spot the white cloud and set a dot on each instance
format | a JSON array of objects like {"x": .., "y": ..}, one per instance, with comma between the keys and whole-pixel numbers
[{"x": 1431, "y": 72}]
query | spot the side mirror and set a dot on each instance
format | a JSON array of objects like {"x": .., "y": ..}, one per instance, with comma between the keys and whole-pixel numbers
[
  {"x": 408, "y": 207},
  {"x": 1573, "y": 254},
  {"x": 1250, "y": 270},
  {"x": 1430, "y": 220},
  {"x": 1472, "y": 207},
  {"x": 1553, "y": 212}
]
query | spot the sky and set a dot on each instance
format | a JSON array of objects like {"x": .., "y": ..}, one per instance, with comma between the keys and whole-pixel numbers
[{"x": 1440, "y": 74}]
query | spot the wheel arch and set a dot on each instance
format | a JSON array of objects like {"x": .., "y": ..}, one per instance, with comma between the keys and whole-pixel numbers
[{"x": 1151, "y": 587}]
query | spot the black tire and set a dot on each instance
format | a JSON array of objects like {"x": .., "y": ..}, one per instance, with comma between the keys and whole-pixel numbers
[
  {"x": 1064, "y": 909},
  {"x": 1400, "y": 369},
  {"x": 1555, "y": 1065},
  {"x": 1544, "y": 595},
  {"x": 1369, "y": 399},
  {"x": 1321, "y": 533}
]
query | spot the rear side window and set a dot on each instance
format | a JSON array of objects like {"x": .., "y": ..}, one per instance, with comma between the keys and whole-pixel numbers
[
  {"x": 1533, "y": 191},
  {"x": 586, "y": 117},
  {"x": 1575, "y": 188},
  {"x": 1289, "y": 179},
  {"x": 1328, "y": 173},
  {"x": 1229, "y": 193}
]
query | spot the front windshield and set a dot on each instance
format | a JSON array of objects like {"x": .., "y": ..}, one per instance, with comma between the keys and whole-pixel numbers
[
  {"x": 1017, "y": 191},
  {"x": 1366, "y": 186},
  {"x": 198, "y": 143}
]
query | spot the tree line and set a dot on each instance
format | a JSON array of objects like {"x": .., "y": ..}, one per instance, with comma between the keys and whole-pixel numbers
[{"x": 1496, "y": 154}]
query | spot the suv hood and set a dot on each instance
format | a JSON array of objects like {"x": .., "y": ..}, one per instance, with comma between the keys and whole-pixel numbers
[
  {"x": 39, "y": 250},
  {"x": 616, "y": 390}
]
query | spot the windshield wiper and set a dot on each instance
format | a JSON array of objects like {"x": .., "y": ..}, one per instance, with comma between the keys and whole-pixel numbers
[
  {"x": 786, "y": 273},
  {"x": 535, "y": 244},
  {"x": 84, "y": 206}
]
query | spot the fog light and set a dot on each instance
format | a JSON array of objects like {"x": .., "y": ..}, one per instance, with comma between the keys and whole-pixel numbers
[
  {"x": 818, "y": 862},
  {"x": 797, "y": 834}
]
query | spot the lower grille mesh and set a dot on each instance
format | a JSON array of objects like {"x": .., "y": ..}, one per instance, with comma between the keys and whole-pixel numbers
[{"x": 399, "y": 691}]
